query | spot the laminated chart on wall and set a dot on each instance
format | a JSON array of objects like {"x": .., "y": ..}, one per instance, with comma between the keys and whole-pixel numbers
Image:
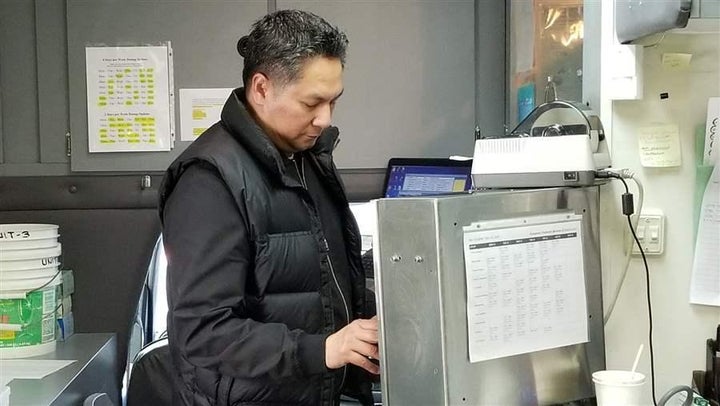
[
  {"x": 525, "y": 285},
  {"x": 129, "y": 98}
]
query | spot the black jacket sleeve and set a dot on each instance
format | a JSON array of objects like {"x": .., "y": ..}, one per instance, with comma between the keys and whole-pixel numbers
[{"x": 209, "y": 258}]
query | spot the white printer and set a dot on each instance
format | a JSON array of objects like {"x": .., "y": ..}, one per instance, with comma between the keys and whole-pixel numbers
[{"x": 560, "y": 143}]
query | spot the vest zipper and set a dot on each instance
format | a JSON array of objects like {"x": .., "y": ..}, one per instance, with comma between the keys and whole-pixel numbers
[
  {"x": 301, "y": 175},
  {"x": 342, "y": 296}
]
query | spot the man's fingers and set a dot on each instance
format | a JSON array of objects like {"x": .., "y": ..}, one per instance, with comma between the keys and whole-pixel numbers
[
  {"x": 366, "y": 350},
  {"x": 354, "y": 344},
  {"x": 364, "y": 363},
  {"x": 367, "y": 336},
  {"x": 367, "y": 324}
]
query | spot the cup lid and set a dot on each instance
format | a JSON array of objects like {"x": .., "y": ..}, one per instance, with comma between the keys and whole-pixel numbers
[{"x": 614, "y": 377}]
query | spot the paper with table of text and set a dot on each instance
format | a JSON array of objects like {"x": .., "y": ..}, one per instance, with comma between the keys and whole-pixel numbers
[{"x": 525, "y": 285}]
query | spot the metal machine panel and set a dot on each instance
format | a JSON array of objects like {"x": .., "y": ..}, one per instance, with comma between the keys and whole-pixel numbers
[
  {"x": 421, "y": 291},
  {"x": 408, "y": 291}
]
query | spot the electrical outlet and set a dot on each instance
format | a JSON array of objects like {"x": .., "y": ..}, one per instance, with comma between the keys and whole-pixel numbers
[{"x": 650, "y": 232}]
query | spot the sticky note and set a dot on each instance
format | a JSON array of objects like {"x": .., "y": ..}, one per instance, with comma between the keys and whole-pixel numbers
[
  {"x": 676, "y": 61},
  {"x": 659, "y": 146}
]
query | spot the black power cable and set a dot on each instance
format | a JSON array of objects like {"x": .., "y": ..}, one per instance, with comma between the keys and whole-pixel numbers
[{"x": 628, "y": 209}]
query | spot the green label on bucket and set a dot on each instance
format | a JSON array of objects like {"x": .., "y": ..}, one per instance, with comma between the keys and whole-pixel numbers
[{"x": 28, "y": 321}]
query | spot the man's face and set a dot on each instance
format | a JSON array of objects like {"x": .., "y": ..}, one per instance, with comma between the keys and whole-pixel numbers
[{"x": 295, "y": 114}]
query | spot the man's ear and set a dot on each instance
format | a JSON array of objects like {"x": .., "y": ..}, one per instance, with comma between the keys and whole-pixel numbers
[{"x": 260, "y": 88}]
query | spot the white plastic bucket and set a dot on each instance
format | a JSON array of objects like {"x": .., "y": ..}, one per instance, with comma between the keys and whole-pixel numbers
[
  {"x": 29, "y": 276},
  {"x": 30, "y": 243},
  {"x": 14, "y": 260},
  {"x": 28, "y": 284},
  {"x": 30, "y": 253},
  {"x": 46, "y": 273},
  {"x": 19, "y": 232},
  {"x": 618, "y": 388}
]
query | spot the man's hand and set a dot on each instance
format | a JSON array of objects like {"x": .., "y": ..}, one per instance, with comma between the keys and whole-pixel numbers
[{"x": 354, "y": 344}]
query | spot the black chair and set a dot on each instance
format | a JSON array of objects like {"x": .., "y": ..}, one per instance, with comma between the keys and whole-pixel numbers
[{"x": 151, "y": 376}]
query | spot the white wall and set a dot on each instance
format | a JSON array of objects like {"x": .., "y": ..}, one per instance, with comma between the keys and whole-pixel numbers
[{"x": 680, "y": 328}]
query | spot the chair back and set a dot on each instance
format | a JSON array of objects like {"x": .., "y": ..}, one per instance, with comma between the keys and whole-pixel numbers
[{"x": 151, "y": 376}]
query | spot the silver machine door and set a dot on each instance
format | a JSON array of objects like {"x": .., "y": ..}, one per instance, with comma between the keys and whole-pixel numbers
[{"x": 420, "y": 283}]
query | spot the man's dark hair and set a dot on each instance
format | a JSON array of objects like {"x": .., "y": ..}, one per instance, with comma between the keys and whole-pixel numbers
[{"x": 281, "y": 42}]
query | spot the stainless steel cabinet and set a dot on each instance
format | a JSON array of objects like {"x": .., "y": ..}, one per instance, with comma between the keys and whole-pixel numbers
[{"x": 422, "y": 304}]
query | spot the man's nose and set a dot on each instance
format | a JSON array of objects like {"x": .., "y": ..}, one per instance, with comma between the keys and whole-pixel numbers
[{"x": 324, "y": 116}]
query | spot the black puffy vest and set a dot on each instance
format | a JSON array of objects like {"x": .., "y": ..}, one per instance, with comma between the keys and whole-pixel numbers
[{"x": 291, "y": 282}]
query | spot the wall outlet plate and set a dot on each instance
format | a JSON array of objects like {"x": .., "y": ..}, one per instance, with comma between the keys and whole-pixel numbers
[{"x": 650, "y": 232}]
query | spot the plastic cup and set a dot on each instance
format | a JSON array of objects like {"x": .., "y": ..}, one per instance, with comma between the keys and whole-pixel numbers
[{"x": 618, "y": 388}]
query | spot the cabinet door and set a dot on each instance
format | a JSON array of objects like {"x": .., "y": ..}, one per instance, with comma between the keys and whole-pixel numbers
[
  {"x": 409, "y": 78},
  {"x": 19, "y": 141},
  {"x": 203, "y": 36}
]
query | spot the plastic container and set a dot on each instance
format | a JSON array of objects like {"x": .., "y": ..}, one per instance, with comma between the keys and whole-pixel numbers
[
  {"x": 46, "y": 273},
  {"x": 19, "y": 232},
  {"x": 29, "y": 276},
  {"x": 618, "y": 388},
  {"x": 30, "y": 253},
  {"x": 16, "y": 260},
  {"x": 27, "y": 236},
  {"x": 20, "y": 287},
  {"x": 27, "y": 322},
  {"x": 30, "y": 243}
]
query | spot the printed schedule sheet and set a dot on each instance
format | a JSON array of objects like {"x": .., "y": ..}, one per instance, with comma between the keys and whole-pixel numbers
[
  {"x": 525, "y": 285},
  {"x": 129, "y": 99}
]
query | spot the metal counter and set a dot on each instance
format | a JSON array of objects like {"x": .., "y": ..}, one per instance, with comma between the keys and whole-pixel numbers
[{"x": 93, "y": 372}]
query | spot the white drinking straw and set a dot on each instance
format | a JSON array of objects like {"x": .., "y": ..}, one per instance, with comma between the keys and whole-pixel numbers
[{"x": 637, "y": 358}]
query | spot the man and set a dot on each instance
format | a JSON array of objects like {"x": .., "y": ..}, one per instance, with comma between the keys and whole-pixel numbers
[{"x": 265, "y": 282}]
